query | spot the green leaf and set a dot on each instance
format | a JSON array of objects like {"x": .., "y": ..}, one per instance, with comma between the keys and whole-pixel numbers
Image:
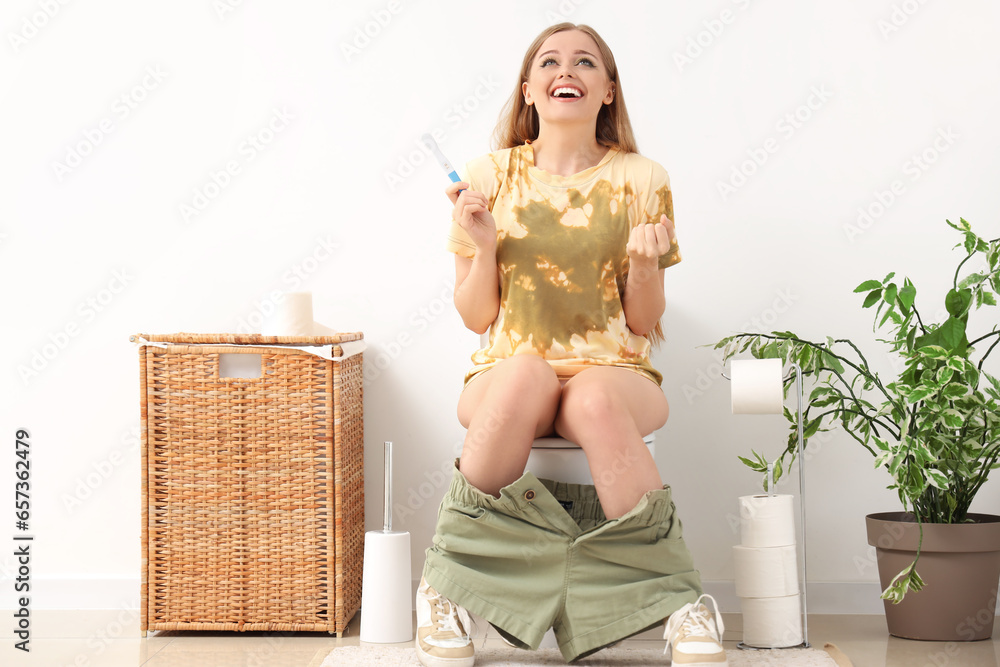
[
  {"x": 958, "y": 301},
  {"x": 889, "y": 313},
  {"x": 824, "y": 402},
  {"x": 831, "y": 361},
  {"x": 953, "y": 391},
  {"x": 929, "y": 339},
  {"x": 753, "y": 465},
  {"x": 907, "y": 295},
  {"x": 819, "y": 392},
  {"x": 970, "y": 242},
  {"x": 903, "y": 582},
  {"x": 881, "y": 459},
  {"x": 932, "y": 351},
  {"x": 890, "y": 294},
  {"x": 937, "y": 479},
  {"x": 927, "y": 378},
  {"x": 805, "y": 358},
  {"x": 867, "y": 286},
  {"x": 952, "y": 418},
  {"x": 956, "y": 364},
  {"x": 962, "y": 225},
  {"x": 873, "y": 297},
  {"x": 971, "y": 280},
  {"x": 953, "y": 335},
  {"x": 971, "y": 376},
  {"x": 923, "y": 455},
  {"x": 920, "y": 393}
]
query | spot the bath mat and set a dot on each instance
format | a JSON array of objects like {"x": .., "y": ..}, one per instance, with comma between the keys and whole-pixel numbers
[{"x": 391, "y": 656}]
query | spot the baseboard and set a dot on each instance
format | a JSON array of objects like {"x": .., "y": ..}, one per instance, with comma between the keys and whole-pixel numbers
[
  {"x": 50, "y": 593},
  {"x": 56, "y": 593},
  {"x": 825, "y": 597}
]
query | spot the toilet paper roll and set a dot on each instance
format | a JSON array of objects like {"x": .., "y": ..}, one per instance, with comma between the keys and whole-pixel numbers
[
  {"x": 765, "y": 572},
  {"x": 772, "y": 622},
  {"x": 386, "y": 596},
  {"x": 323, "y": 330},
  {"x": 757, "y": 387},
  {"x": 766, "y": 521},
  {"x": 292, "y": 316}
]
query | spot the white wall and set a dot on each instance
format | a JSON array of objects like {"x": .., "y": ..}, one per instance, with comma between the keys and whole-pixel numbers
[{"x": 317, "y": 209}]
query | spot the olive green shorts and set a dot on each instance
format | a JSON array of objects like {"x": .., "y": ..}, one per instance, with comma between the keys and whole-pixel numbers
[{"x": 544, "y": 555}]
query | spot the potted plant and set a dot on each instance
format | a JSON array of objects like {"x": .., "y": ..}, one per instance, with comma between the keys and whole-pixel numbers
[{"x": 935, "y": 428}]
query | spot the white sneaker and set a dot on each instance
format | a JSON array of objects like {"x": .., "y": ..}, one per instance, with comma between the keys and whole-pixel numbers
[
  {"x": 443, "y": 631},
  {"x": 694, "y": 636}
]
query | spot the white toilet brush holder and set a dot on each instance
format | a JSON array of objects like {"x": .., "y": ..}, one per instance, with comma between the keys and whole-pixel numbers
[{"x": 386, "y": 600}]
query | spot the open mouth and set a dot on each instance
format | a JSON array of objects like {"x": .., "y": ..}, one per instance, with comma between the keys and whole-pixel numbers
[{"x": 566, "y": 92}]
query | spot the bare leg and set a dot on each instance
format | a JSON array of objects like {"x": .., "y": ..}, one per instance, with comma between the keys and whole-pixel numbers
[
  {"x": 607, "y": 411},
  {"x": 504, "y": 411}
]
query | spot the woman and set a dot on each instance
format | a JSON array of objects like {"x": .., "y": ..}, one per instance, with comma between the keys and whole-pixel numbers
[{"x": 561, "y": 239}]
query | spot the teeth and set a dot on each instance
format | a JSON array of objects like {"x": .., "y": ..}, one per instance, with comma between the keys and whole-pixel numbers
[{"x": 561, "y": 91}]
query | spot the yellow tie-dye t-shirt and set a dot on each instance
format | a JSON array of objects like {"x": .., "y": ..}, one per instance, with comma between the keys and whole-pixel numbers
[{"x": 562, "y": 260}]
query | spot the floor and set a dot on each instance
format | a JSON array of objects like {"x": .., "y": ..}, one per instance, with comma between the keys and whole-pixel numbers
[{"x": 111, "y": 639}]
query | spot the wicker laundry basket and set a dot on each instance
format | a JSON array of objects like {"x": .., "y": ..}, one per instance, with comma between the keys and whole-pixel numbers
[{"x": 253, "y": 488}]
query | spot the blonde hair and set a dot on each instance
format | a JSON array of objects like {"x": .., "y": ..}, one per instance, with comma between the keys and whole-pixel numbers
[{"x": 518, "y": 122}]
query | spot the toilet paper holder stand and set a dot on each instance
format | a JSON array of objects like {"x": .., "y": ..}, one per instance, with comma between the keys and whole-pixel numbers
[{"x": 802, "y": 503}]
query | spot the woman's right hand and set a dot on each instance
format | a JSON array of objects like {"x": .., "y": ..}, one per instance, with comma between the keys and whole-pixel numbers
[{"x": 472, "y": 214}]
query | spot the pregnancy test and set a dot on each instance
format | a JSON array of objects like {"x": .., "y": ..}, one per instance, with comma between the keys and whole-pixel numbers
[{"x": 442, "y": 160}]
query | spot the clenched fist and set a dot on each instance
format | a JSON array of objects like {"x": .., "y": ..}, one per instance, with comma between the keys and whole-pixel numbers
[
  {"x": 650, "y": 241},
  {"x": 472, "y": 213}
]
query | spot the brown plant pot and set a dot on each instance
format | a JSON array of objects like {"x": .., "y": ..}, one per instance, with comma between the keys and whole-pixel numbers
[{"x": 960, "y": 566}]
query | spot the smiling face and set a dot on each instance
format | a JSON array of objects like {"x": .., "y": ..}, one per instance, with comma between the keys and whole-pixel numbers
[{"x": 568, "y": 80}]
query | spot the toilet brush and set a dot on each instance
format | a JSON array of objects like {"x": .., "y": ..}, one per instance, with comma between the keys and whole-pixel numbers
[{"x": 386, "y": 600}]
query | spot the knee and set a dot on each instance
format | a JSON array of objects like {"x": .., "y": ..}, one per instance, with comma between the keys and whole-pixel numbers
[
  {"x": 593, "y": 405},
  {"x": 527, "y": 377},
  {"x": 523, "y": 387}
]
